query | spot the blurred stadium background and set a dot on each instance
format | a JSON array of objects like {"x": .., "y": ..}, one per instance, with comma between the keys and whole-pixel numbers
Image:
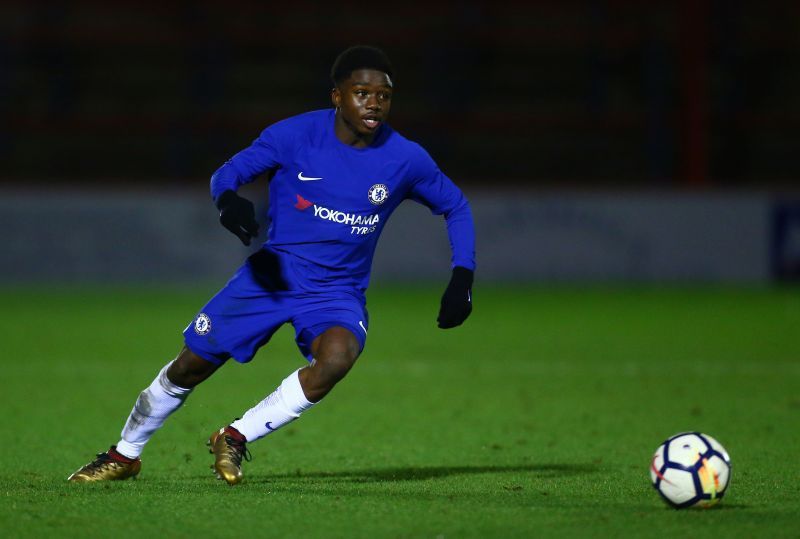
[
  {"x": 652, "y": 146},
  {"x": 597, "y": 140}
]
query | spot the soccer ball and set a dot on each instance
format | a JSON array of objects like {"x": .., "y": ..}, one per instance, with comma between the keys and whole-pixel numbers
[{"x": 691, "y": 469}]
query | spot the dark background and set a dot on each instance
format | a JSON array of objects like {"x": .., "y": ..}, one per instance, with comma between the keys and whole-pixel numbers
[{"x": 654, "y": 94}]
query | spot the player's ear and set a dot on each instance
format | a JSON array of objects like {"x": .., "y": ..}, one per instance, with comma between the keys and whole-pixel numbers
[{"x": 336, "y": 97}]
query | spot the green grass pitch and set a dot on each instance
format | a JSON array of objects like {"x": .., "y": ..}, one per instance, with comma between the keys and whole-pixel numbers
[{"x": 538, "y": 418}]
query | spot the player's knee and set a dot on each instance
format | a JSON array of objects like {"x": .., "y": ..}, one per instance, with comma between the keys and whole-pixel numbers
[{"x": 335, "y": 362}]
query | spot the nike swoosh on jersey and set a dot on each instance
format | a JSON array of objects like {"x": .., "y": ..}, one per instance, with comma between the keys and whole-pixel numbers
[{"x": 305, "y": 178}]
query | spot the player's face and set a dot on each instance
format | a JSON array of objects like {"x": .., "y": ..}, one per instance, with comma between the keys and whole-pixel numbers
[{"x": 363, "y": 102}]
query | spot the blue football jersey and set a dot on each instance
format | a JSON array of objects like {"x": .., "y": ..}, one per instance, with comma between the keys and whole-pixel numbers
[{"x": 330, "y": 201}]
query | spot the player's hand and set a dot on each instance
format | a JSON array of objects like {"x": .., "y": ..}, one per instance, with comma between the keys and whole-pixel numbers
[
  {"x": 457, "y": 299},
  {"x": 238, "y": 215},
  {"x": 267, "y": 272}
]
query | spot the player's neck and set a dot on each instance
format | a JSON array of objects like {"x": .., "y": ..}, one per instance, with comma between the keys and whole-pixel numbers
[{"x": 349, "y": 136}]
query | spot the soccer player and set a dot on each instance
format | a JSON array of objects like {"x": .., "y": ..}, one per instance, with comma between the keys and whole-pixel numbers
[{"x": 338, "y": 174}]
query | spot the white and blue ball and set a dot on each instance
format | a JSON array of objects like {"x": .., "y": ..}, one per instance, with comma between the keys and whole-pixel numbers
[{"x": 691, "y": 469}]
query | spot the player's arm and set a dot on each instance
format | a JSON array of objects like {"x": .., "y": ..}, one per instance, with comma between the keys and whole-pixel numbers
[
  {"x": 236, "y": 213},
  {"x": 435, "y": 190}
]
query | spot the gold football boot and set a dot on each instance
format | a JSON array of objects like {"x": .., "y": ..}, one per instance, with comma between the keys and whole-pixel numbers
[
  {"x": 229, "y": 447},
  {"x": 108, "y": 466}
]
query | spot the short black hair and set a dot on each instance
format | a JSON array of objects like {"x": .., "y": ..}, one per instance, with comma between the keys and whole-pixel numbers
[{"x": 360, "y": 57}]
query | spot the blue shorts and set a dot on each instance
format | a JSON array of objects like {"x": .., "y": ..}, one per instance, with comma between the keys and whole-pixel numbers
[{"x": 244, "y": 315}]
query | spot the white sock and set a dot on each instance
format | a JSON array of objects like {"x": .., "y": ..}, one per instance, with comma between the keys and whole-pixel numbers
[
  {"x": 283, "y": 406},
  {"x": 152, "y": 408}
]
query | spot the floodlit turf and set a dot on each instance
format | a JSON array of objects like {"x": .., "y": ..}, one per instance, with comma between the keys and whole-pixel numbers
[{"x": 536, "y": 419}]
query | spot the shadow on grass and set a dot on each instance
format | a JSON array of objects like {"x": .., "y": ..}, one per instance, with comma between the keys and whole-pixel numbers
[
  {"x": 722, "y": 506},
  {"x": 420, "y": 473}
]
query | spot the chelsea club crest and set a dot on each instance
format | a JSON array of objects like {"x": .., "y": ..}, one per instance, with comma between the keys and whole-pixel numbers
[
  {"x": 202, "y": 325},
  {"x": 378, "y": 194}
]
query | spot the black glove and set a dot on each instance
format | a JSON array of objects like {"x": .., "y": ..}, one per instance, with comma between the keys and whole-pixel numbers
[
  {"x": 457, "y": 299},
  {"x": 237, "y": 215},
  {"x": 266, "y": 267}
]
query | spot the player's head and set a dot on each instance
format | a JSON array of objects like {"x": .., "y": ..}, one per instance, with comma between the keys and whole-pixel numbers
[
  {"x": 360, "y": 57},
  {"x": 362, "y": 89}
]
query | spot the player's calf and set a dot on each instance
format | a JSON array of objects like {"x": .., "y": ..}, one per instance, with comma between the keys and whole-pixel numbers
[
  {"x": 228, "y": 445},
  {"x": 155, "y": 404},
  {"x": 336, "y": 351}
]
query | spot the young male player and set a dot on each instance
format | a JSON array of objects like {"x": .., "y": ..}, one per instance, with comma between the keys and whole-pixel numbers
[{"x": 338, "y": 176}]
